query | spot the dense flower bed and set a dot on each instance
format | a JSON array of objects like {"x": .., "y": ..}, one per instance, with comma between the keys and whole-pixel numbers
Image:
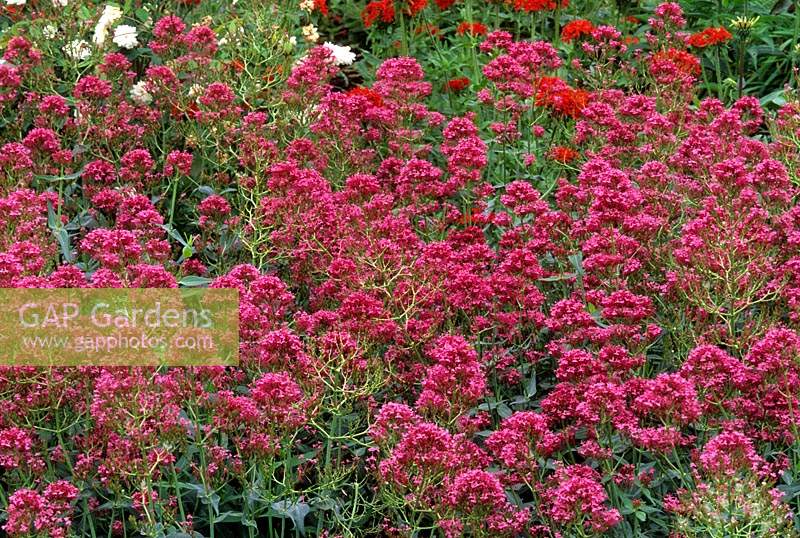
[{"x": 551, "y": 291}]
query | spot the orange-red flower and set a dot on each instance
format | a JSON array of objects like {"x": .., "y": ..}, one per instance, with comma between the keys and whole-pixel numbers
[
  {"x": 471, "y": 28},
  {"x": 457, "y": 84},
  {"x": 531, "y": 6},
  {"x": 427, "y": 29},
  {"x": 321, "y": 6},
  {"x": 373, "y": 96},
  {"x": 710, "y": 37},
  {"x": 236, "y": 65},
  {"x": 563, "y": 154},
  {"x": 415, "y": 6},
  {"x": 575, "y": 29},
  {"x": 556, "y": 94},
  {"x": 378, "y": 9},
  {"x": 685, "y": 62},
  {"x": 385, "y": 10},
  {"x": 444, "y": 4}
]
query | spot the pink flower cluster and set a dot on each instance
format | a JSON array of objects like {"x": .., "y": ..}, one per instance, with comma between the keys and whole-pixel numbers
[{"x": 554, "y": 312}]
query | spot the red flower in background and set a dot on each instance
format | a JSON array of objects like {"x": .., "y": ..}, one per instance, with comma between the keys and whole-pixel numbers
[
  {"x": 385, "y": 10},
  {"x": 563, "y": 154},
  {"x": 575, "y": 29},
  {"x": 415, "y": 6},
  {"x": 373, "y": 96},
  {"x": 710, "y": 37},
  {"x": 683, "y": 61},
  {"x": 471, "y": 28},
  {"x": 444, "y": 4},
  {"x": 321, "y": 6},
  {"x": 556, "y": 94},
  {"x": 531, "y": 6},
  {"x": 457, "y": 84},
  {"x": 379, "y": 9},
  {"x": 427, "y": 29}
]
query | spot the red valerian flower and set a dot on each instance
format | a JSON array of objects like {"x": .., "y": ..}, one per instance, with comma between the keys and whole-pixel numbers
[
  {"x": 444, "y": 4},
  {"x": 457, "y": 84},
  {"x": 577, "y": 497},
  {"x": 471, "y": 28},
  {"x": 575, "y": 29},
  {"x": 709, "y": 37}
]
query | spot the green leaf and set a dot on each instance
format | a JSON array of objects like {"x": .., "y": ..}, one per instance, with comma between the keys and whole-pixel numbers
[
  {"x": 175, "y": 234},
  {"x": 227, "y": 517},
  {"x": 556, "y": 278},
  {"x": 63, "y": 241},
  {"x": 68, "y": 177},
  {"x": 504, "y": 411},
  {"x": 193, "y": 281},
  {"x": 530, "y": 387},
  {"x": 52, "y": 218},
  {"x": 296, "y": 511}
]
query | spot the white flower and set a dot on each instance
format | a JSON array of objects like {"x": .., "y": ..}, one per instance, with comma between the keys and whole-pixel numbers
[
  {"x": 293, "y": 41},
  {"x": 16, "y": 2},
  {"x": 307, "y": 5},
  {"x": 341, "y": 55},
  {"x": 125, "y": 36},
  {"x": 78, "y": 49},
  {"x": 310, "y": 33},
  {"x": 49, "y": 31},
  {"x": 196, "y": 90},
  {"x": 111, "y": 14},
  {"x": 140, "y": 95},
  {"x": 60, "y": 3}
]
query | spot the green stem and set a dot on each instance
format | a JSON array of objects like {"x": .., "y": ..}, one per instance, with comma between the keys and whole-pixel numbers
[
  {"x": 172, "y": 202},
  {"x": 403, "y": 36}
]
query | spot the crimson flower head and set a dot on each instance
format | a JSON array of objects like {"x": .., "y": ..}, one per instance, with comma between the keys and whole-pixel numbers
[
  {"x": 709, "y": 37},
  {"x": 471, "y": 28},
  {"x": 575, "y": 29}
]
